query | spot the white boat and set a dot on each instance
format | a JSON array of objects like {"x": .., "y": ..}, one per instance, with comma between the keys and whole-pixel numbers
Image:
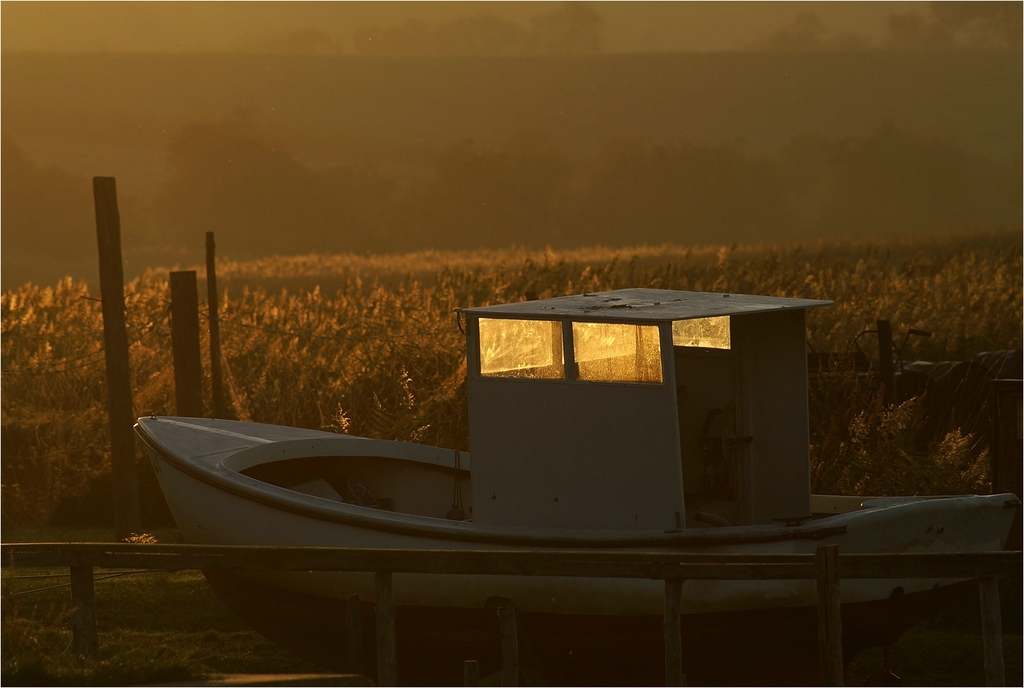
[{"x": 631, "y": 420}]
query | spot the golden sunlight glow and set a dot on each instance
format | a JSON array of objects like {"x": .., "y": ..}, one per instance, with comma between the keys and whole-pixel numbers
[
  {"x": 707, "y": 333},
  {"x": 612, "y": 352},
  {"x": 521, "y": 348}
]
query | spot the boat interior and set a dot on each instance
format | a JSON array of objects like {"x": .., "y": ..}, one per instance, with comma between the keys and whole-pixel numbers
[
  {"x": 422, "y": 489},
  {"x": 378, "y": 482}
]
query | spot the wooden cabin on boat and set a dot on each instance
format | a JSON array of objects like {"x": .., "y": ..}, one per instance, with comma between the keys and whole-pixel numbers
[{"x": 639, "y": 409}]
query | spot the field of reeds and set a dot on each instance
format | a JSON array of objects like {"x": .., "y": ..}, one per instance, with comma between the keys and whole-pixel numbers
[{"x": 370, "y": 346}]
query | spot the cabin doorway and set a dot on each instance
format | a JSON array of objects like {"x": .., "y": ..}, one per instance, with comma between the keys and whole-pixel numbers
[{"x": 707, "y": 399}]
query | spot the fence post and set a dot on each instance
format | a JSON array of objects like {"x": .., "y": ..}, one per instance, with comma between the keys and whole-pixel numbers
[
  {"x": 188, "y": 372},
  {"x": 885, "y": 371},
  {"x": 830, "y": 623},
  {"x": 387, "y": 654},
  {"x": 992, "y": 632},
  {"x": 219, "y": 408},
  {"x": 1007, "y": 450},
  {"x": 470, "y": 672},
  {"x": 115, "y": 348},
  {"x": 83, "y": 629},
  {"x": 673, "y": 633},
  {"x": 509, "y": 646},
  {"x": 353, "y": 635}
]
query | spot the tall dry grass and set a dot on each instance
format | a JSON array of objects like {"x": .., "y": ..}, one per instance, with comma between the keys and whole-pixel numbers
[{"x": 370, "y": 346}]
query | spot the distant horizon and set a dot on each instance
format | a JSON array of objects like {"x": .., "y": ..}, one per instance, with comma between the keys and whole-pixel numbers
[
  {"x": 605, "y": 54},
  {"x": 290, "y": 271},
  {"x": 419, "y": 27}
]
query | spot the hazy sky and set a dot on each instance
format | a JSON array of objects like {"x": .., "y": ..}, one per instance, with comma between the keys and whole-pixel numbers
[
  {"x": 248, "y": 26},
  {"x": 386, "y": 126}
]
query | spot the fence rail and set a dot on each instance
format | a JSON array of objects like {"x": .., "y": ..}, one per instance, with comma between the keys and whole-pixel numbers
[
  {"x": 595, "y": 563},
  {"x": 826, "y": 567}
]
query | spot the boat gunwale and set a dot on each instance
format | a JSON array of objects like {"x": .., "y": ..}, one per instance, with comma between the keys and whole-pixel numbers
[{"x": 228, "y": 480}]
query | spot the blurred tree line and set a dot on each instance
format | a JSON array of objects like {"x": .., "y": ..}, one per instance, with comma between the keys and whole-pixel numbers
[
  {"x": 978, "y": 25},
  {"x": 261, "y": 200},
  {"x": 528, "y": 192},
  {"x": 573, "y": 28}
]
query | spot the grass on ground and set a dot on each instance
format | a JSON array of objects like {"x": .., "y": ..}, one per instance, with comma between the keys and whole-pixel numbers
[
  {"x": 947, "y": 649},
  {"x": 153, "y": 628}
]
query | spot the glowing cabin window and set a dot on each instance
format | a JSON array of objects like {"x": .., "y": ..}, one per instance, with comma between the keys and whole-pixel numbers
[
  {"x": 706, "y": 333},
  {"x": 521, "y": 348},
  {"x": 610, "y": 352}
]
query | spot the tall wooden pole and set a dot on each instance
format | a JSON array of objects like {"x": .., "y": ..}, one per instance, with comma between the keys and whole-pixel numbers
[
  {"x": 115, "y": 346},
  {"x": 188, "y": 372},
  {"x": 216, "y": 380}
]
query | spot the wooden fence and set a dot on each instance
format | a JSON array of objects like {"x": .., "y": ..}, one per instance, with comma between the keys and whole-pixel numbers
[{"x": 826, "y": 567}]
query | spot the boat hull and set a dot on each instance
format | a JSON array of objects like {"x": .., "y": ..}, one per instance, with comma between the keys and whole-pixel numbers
[
  {"x": 206, "y": 515},
  {"x": 581, "y": 628}
]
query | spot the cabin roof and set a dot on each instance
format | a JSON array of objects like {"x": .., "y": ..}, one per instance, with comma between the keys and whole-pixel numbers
[{"x": 643, "y": 305}]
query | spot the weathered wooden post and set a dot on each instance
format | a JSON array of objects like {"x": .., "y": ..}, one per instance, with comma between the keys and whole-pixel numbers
[
  {"x": 188, "y": 372},
  {"x": 115, "y": 348},
  {"x": 992, "y": 632},
  {"x": 353, "y": 635},
  {"x": 885, "y": 371},
  {"x": 387, "y": 652},
  {"x": 673, "y": 633},
  {"x": 470, "y": 672},
  {"x": 83, "y": 639},
  {"x": 1007, "y": 450},
  {"x": 830, "y": 624},
  {"x": 509, "y": 646},
  {"x": 219, "y": 408}
]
